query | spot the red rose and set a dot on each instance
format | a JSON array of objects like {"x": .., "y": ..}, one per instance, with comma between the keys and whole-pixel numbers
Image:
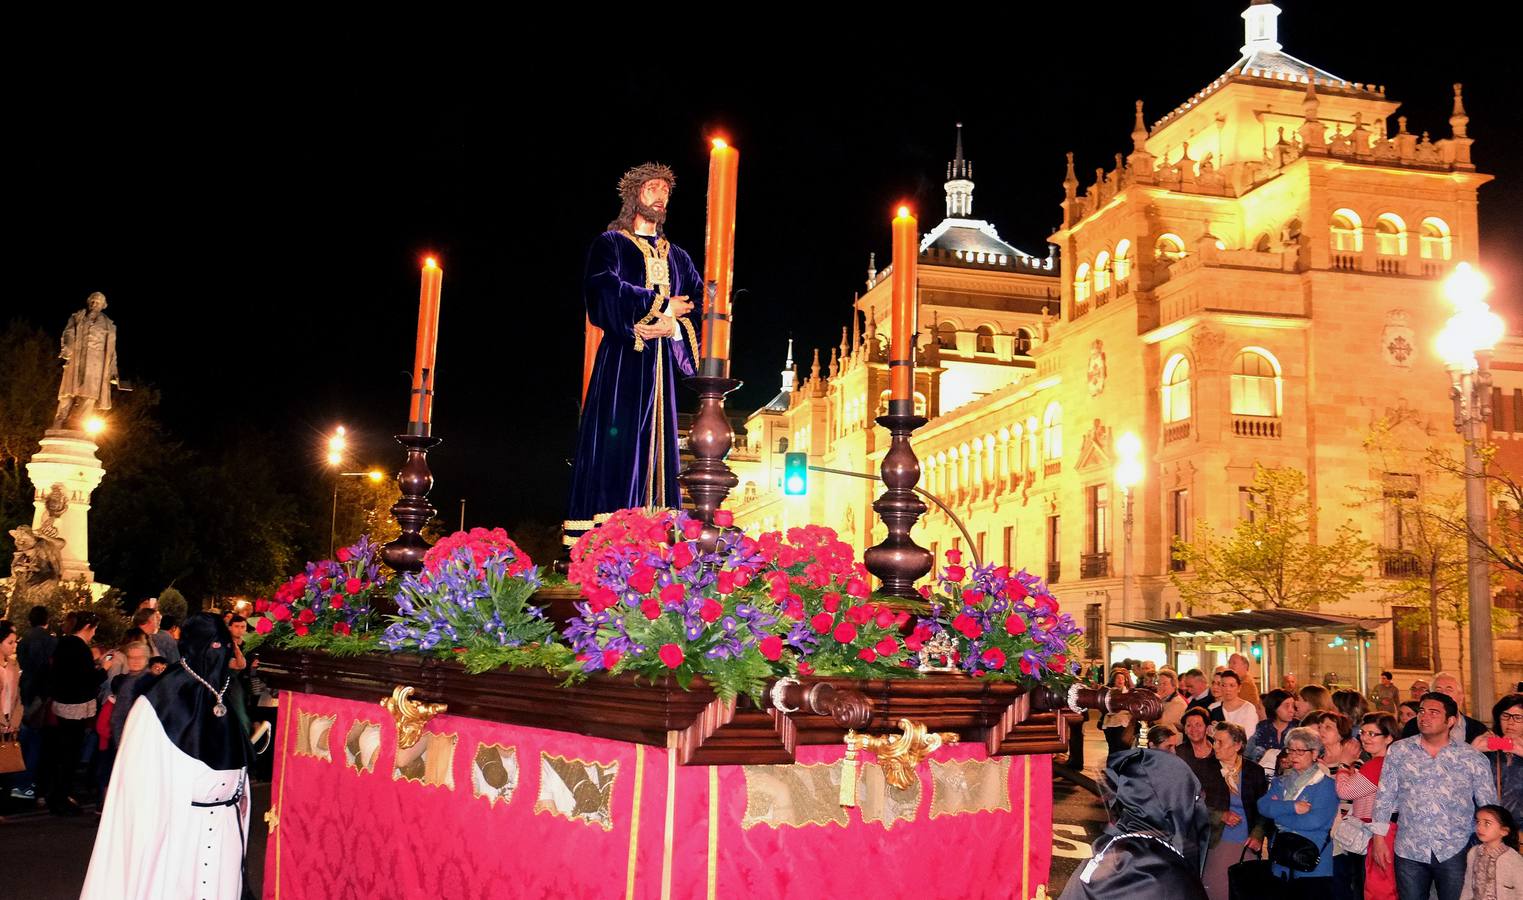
[
  {"x": 845, "y": 633},
  {"x": 726, "y": 583},
  {"x": 263, "y": 625},
  {"x": 742, "y": 576},
  {"x": 1028, "y": 667},
  {"x": 692, "y": 529},
  {"x": 885, "y": 618},
  {"x": 337, "y": 602},
  {"x": 972, "y": 598},
  {"x": 340, "y": 627},
  {"x": 995, "y": 657},
  {"x": 301, "y": 630},
  {"x": 651, "y": 608},
  {"x": 954, "y": 556},
  {"x": 343, "y": 554},
  {"x": 711, "y": 610},
  {"x": 326, "y": 584},
  {"x": 859, "y": 615},
  {"x": 601, "y": 598},
  {"x": 724, "y": 518},
  {"x": 642, "y": 579},
  {"x": 261, "y": 605},
  {"x": 794, "y": 609},
  {"x": 1002, "y": 573},
  {"x": 900, "y": 619},
  {"x": 1058, "y": 662},
  {"x": 306, "y": 616},
  {"x": 1016, "y": 590},
  {"x": 805, "y": 668},
  {"x": 1014, "y": 624},
  {"x": 887, "y": 647},
  {"x": 610, "y": 658},
  {"x": 822, "y": 622},
  {"x": 682, "y": 555},
  {"x": 353, "y": 586},
  {"x": 673, "y": 593},
  {"x": 925, "y": 591},
  {"x": 954, "y": 573},
  {"x": 831, "y": 601},
  {"x": 280, "y": 613},
  {"x": 857, "y": 588},
  {"x": 866, "y": 654},
  {"x": 968, "y": 626},
  {"x": 671, "y": 655},
  {"x": 771, "y": 647}
]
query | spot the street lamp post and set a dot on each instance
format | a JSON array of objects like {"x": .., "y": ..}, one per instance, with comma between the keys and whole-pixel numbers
[
  {"x": 1465, "y": 345},
  {"x": 1128, "y": 475}
]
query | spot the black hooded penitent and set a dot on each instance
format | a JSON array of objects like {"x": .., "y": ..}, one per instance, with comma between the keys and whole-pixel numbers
[{"x": 184, "y": 705}]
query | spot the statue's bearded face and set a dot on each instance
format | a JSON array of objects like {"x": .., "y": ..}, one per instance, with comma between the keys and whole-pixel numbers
[
  {"x": 95, "y": 302},
  {"x": 651, "y": 204}
]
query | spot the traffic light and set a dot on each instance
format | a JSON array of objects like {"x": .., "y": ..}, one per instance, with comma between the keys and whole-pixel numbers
[{"x": 795, "y": 474}]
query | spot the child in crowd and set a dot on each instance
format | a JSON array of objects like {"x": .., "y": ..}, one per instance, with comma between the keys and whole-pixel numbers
[
  {"x": 157, "y": 665},
  {"x": 1494, "y": 868}
]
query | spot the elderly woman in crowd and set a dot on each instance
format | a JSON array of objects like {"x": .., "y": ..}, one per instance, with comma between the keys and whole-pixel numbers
[
  {"x": 1506, "y": 766},
  {"x": 1358, "y": 783},
  {"x": 1303, "y": 800},
  {"x": 1235, "y": 825},
  {"x": 1339, "y": 748},
  {"x": 1280, "y": 717}
]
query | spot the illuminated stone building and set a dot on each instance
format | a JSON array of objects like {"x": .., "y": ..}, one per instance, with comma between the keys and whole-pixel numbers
[{"x": 1255, "y": 281}]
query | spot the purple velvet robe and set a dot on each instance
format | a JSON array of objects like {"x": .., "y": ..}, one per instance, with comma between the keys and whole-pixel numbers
[{"x": 613, "y": 445}]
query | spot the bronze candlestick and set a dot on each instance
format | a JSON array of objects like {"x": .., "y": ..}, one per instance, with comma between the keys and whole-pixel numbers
[
  {"x": 707, "y": 479},
  {"x": 898, "y": 561},
  {"x": 413, "y": 511}
]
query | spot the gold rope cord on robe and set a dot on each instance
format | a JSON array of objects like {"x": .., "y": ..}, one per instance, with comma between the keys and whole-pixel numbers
[{"x": 658, "y": 279}]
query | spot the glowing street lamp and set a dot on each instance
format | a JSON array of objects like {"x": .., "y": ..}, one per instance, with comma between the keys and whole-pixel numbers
[
  {"x": 1465, "y": 345},
  {"x": 95, "y": 425},
  {"x": 1129, "y": 474}
]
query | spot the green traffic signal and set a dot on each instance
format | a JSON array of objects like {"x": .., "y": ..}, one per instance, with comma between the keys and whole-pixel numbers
[{"x": 795, "y": 474}]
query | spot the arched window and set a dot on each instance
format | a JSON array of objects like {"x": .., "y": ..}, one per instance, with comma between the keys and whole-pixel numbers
[
  {"x": 1022, "y": 341},
  {"x": 1081, "y": 284},
  {"x": 1255, "y": 383},
  {"x": 1102, "y": 272},
  {"x": 1123, "y": 263},
  {"x": 1169, "y": 247},
  {"x": 946, "y": 335},
  {"x": 1176, "y": 390},
  {"x": 1348, "y": 233},
  {"x": 985, "y": 339},
  {"x": 1435, "y": 241},
  {"x": 1032, "y": 437},
  {"x": 1019, "y": 461},
  {"x": 1052, "y": 433},
  {"x": 1390, "y": 235},
  {"x": 920, "y": 404}
]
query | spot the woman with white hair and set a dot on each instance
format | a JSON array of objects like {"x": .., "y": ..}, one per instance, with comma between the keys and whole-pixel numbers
[{"x": 1303, "y": 802}]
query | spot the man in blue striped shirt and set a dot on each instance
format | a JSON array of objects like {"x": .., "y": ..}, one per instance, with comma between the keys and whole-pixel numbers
[{"x": 1432, "y": 785}]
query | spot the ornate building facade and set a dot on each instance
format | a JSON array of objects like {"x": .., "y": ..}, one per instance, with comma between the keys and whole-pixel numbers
[{"x": 1256, "y": 282}]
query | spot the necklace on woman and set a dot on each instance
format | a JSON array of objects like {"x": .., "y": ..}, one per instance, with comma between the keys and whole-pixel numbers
[{"x": 218, "y": 710}]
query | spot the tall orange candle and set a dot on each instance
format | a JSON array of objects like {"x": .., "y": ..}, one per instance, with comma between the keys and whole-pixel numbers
[
  {"x": 902, "y": 334},
  {"x": 421, "y": 407},
  {"x": 719, "y": 258}
]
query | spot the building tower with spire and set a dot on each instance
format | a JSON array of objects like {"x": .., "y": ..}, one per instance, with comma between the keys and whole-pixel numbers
[{"x": 959, "y": 183}]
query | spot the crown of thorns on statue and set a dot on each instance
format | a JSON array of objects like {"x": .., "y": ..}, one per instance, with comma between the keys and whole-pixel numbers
[{"x": 634, "y": 179}]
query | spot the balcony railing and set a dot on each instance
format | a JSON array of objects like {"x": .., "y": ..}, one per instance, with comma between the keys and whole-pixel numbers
[
  {"x": 1345, "y": 261},
  {"x": 1052, "y": 467},
  {"x": 1094, "y": 565},
  {"x": 1054, "y": 572},
  {"x": 1256, "y": 426},
  {"x": 1388, "y": 265},
  {"x": 1176, "y": 431},
  {"x": 1399, "y": 564}
]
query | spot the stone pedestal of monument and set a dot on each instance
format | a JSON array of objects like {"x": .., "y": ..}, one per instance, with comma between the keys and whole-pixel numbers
[{"x": 67, "y": 462}]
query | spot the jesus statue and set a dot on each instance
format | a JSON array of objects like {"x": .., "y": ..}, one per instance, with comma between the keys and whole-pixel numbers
[{"x": 637, "y": 290}]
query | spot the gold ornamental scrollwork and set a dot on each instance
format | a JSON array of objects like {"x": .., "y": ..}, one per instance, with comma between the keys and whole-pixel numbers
[
  {"x": 410, "y": 715},
  {"x": 898, "y": 755}
]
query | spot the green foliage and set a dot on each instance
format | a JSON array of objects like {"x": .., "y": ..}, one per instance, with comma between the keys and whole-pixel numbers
[
  {"x": 29, "y": 375},
  {"x": 173, "y": 603},
  {"x": 551, "y": 657},
  {"x": 1273, "y": 559},
  {"x": 463, "y": 605}
]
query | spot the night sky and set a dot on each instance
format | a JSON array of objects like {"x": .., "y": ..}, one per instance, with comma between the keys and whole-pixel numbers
[{"x": 257, "y": 216}]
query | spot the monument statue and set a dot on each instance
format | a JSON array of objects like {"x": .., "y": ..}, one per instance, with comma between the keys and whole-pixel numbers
[
  {"x": 89, "y": 369},
  {"x": 36, "y": 566}
]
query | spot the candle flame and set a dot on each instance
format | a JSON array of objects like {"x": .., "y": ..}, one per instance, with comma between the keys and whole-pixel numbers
[
  {"x": 904, "y": 212},
  {"x": 430, "y": 263},
  {"x": 720, "y": 143}
]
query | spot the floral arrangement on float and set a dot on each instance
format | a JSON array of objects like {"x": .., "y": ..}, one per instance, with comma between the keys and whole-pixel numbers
[
  {"x": 1002, "y": 625},
  {"x": 330, "y": 604},
  {"x": 471, "y": 601}
]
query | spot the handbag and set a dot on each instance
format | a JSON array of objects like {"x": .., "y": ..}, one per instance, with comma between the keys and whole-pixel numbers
[
  {"x": 1252, "y": 879},
  {"x": 1296, "y": 852},
  {"x": 1350, "y": 834},
  {"x": 10, "y": 752}
]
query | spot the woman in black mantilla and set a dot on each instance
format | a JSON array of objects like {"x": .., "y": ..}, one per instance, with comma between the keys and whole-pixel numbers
[{"x": 176, "y": 813}]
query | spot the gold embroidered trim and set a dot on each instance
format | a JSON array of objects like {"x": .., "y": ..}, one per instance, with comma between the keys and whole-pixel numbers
[
  {"x": 634, "y": 822},
  {"x": 437, "y": 759},
  {"x": 1026, "y": 835},
  {"x": 883, "y": 803},
  {"x": 503, "y": 757},
  {"x": 713, "y": 833},
  {"x": 963, "y": 786},
  {"x": 353, "y": 751},
  {"x": 588, "y": 791},
  {"x": 793, "y": 796}
]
